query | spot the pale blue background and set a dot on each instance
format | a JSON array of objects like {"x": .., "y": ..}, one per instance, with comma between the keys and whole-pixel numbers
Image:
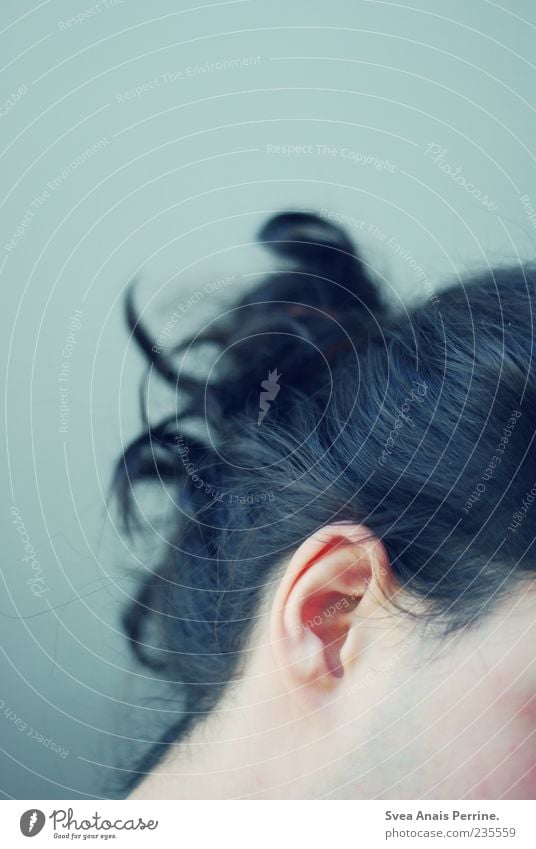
[{"x": 181, "y": 184}]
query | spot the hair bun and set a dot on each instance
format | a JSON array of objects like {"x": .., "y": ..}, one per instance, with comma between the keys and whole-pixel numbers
[
  {"x": 308, "y": 239},
  {"x": 338, "y": 280}
]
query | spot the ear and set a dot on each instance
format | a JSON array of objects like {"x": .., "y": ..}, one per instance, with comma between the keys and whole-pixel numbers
[{"x": 320, "y": 620}]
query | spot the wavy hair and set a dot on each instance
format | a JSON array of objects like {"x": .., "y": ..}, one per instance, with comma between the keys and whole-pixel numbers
[{"x": 419, "y": 425}]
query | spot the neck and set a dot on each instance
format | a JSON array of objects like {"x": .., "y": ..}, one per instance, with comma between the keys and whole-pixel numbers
[{"x": 240, "y": 751}]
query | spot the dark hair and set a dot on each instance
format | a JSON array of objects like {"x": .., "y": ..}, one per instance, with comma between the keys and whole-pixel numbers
[{"x": 309, "y": 402}]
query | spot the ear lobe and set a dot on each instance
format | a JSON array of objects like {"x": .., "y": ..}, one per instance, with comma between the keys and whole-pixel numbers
[{"x": 335, "y": 580}]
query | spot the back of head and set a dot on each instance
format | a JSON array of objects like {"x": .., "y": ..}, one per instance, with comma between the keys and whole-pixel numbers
[{"x": 322, "y": 406}]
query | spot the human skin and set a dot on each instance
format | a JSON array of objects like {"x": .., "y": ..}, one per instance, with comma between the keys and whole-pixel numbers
[{"x": 343, "y": 693}]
